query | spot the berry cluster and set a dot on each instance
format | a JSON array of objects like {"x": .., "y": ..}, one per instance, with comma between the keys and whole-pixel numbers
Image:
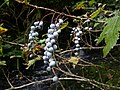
[
  {"x": 51, "y": 46},
  {"x": 77, "y": 32},
  {"x": 33, "y": 35}
]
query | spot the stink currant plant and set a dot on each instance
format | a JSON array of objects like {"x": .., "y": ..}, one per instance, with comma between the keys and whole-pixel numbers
[
  {"x": 51, "y": 46},
  {"x": 33, "y": 36},
  {"x": 76, "y": 32}
]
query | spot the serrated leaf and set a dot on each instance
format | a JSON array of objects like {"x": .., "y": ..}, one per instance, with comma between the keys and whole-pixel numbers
[
  {"x": 94, "y": 14},
  {"x": 64, "y": 25},
  {"x": 73, "y": 60},
  {"x": 110, "y": 34},
  {"x": 3, "y": 63}
]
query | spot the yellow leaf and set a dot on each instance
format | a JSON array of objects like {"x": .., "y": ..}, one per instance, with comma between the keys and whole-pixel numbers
[
  {"x": 2, "y": 30},
  {"x": 73, "y": 60}
]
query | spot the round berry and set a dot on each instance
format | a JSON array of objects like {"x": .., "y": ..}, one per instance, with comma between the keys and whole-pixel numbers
[
  {"x": 55, "y": 34},
  {"x": 77, "y": 34},
  {"x": 45, "y": 62},
  {"x": 80, "y": 32},
  {"x": 45, "y": 48},
  {"x": 73, "y": 28},
  {"x": 29, "y": 45},
  {"x": 76, "y": 38},
  {"x": 76, "y": 54},
  {"x": 45, "y": 53},
  {"x": 51, "y": 59},
  {"x": 52, "y": 41},
  {"x": 90, "y": 28},
  {"x": 55, "y": 79},
  {"x": 32, "y": 27},
  {"x": 55, "y": 46},
  {"x": 44, "y": 57},
  {"x": 57, "y": 25},
  {"x": 59, "y": 31},
  {"x": 36, "y": 23},
  {"x": 78, "y": 28},
  {"x": 49, "y": 54},
  {"x": 30, "y": 38},
  {"x": 51, "y": 49},
  {"x": 60, "y": 21},
  {"x": 47, "y": 40},
  {"x": 51, "y": 36},
  {"x": 48, "y": 69},
  {"x": 38, "y": 27},
  {"x": 41, "y": 23},
  {"x": 52, "y": 63},
  {"x": 34, "y": 34},
  {"x": 52, "y": 26},
  {"x": 49, "y": 44},
  {"x": 31, "y": 55},
  {"x": 76, "y": 49},
  {"x": 77, "y": 45},
  {"x": 86, "y": 28},
  {"x": 50, "y": 31},
  {"x": 76, "y": 41}
]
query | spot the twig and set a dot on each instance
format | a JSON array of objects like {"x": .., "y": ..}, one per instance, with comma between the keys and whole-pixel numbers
[
  {"x": 7, "y": 79},
  {"x": 48, "y": 9},
  {"x": 88, "y": 80},
  {"x": 12, "y": 43}
]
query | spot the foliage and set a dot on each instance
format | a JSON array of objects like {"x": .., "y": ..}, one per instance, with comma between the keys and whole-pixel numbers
[
  {"x": 93, "y": 17},
  {"x": 110, "y": 33}
]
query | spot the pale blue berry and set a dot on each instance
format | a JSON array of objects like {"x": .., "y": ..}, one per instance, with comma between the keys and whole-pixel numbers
[
  {"x": 59, "y": 31},
  {"x": 41, "y": 23},
  {"x": 76, "y": 41},
  {"x": 55, "y": 46},
  {"x": 32, "y": 27},
  {"x": 60, "y": 21},
  {"x": 55, "y": 79},
  {"x": 55, "y": 34},
  {"x": 52, "y": 41},
  {"x": 57, "y": 25},
  {"x": 49, "y": 44},
  {"x": 51, "y": 49},
  {"x": 50, "y": 31},
  {"x": 52, "y": 63},
  {"x": 49, "y": 69},
  {"x": 49, "y": 54},
  {"x": 52, "y": 26},
  {"x": 51, "y": 59},
  {"x": 36, "y": 23},
  {"x": 76, "y": 54}
]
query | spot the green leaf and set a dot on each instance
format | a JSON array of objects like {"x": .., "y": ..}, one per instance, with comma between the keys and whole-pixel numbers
[
  {"x": 91, "y": 2},
  {"x": 3, "y": 63},
  {"x": 64, "y": 25},
  {"x": 94, "y": 14},
  {"x": 79, "y": 5},
  {"x": 7, "y": 2},
  {"x": 1, "y": 51},
  {"x": 110, "y": 34},
  {"x": 31, "y": 62}
]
